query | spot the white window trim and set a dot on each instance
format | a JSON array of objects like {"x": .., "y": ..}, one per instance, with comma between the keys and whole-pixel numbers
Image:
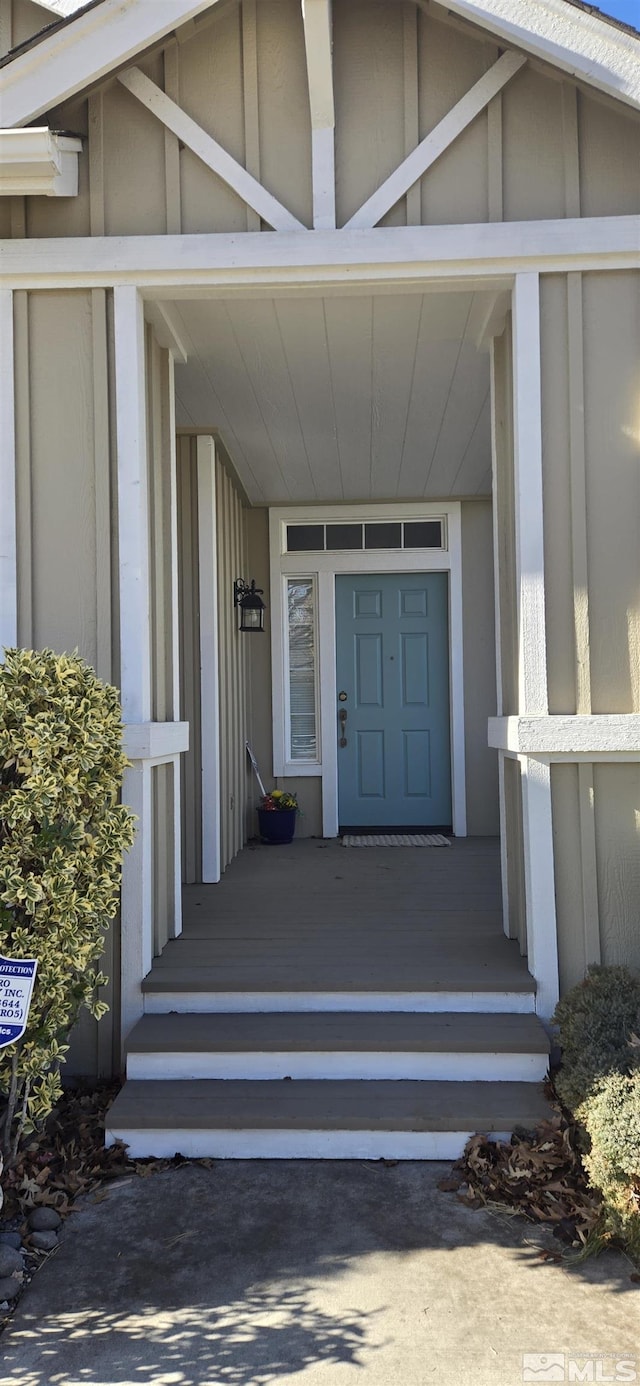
[
  {"x": 324, "y": 567},
  {"x": 310, "y": 766}
]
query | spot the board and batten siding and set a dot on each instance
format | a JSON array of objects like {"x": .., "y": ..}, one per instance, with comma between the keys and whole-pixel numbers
[
  {"x": 543, "y": 148},
  {"x": 591, "y": 476},
  {"x": 65, "y": 563},
  {"x": 234, "y": 787},
  {"x": 67, "y": 548}
]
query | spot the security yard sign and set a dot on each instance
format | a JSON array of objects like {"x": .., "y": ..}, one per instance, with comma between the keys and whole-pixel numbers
[{"x": 17, "y": 976}]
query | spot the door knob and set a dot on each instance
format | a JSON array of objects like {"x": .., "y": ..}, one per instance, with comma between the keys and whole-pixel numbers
[{"x": 342, "y": 718}]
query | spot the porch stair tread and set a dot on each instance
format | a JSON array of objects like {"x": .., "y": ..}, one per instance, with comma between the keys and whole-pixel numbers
[
  {"x": 366, "y": 974},
  {"x": 361, "y": 1031},
  {"x": 324, "y": 1105}
]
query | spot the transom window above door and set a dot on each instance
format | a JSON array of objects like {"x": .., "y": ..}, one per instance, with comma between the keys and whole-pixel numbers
[{"x": 366, "y": 536}]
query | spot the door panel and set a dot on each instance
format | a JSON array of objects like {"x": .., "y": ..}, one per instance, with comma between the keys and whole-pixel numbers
[{"x": 392, "y": 647}]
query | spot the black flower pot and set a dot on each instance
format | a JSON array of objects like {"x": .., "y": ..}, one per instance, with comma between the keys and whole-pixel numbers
[{"x": 277, "y": 825}]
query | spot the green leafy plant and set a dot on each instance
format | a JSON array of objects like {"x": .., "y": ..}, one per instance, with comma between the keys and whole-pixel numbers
[
  {"x": 279, "y": 801},
  {"x": 599, "y": 1081},
  {"x": 62, "y": 836}
]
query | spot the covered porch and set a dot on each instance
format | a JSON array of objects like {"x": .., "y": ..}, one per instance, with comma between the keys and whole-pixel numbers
[{"x": 315, "y": 919}]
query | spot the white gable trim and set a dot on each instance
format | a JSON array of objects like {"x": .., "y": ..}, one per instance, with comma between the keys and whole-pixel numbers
[
  {"x": 114, "y": 32},
  {"x": 85, "y": 50},
  {"x": 579, "y": 43}
]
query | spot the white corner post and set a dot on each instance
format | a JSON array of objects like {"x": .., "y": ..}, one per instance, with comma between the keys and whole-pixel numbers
[
  {"x": 8, "y": 552},
  {"x": 135, "y": 638},
  {"x": 498, "y": 441},
  {"x": 209, "y": 659},
  {"x": 170, "y": 404},
  {"x": 542, "y": 938}
]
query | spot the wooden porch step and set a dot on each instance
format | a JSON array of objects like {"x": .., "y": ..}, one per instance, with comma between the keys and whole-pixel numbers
[
  {"x": 342, "y": 1045},
  {"x": 403, "y": 1120}
]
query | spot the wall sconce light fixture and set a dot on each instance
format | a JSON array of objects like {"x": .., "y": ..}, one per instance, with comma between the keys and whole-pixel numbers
[{"x": 249, "y": 601}]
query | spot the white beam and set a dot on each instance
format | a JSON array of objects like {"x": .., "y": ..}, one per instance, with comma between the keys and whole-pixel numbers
[
  {"x": 80, "y": 53},
  {"x": 133, "y": 506},
  {"x": 571, "y": 737},
  {"x": 8, "y": 551},
  {"x": 316, "y": 15},
  {"x": 582, "y": 44},
  {"x": 527, "y": 447},
  {"x": 437, "y": 141},
  {"x": 209, "y": 663},
  {"x": 209, "y": 151},
  {"x": 174, "y": 266}
]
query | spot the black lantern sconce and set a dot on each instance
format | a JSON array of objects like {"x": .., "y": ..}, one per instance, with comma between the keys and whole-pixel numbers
[{"x": 249, "y": 601}]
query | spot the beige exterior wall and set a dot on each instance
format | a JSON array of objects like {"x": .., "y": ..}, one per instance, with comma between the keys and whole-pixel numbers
[
  {"x": 590, "y": 351},
  {"x": 64, "y": 522},
  {"x": 479, "y": 642},
  {"x": 67, "y": 544},
  {"x": 235, "y": 783},
  {"x": 542, "y": 148},
  {"x": 190, "y": 701},
  {"x": 234, "y": 658}
]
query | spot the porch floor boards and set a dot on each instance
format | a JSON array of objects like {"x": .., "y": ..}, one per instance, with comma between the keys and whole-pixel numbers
[{"x": 318, "y": 916}]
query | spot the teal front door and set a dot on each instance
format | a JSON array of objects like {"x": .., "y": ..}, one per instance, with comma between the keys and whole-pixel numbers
[{"x": 392, "y": 651}]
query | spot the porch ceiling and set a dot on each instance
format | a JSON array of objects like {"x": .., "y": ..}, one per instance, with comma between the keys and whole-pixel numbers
[{"x": 342, "y": 397}]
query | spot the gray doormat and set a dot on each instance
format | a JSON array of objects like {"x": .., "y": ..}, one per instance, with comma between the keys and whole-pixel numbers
[{"x": 396, "y": 840}]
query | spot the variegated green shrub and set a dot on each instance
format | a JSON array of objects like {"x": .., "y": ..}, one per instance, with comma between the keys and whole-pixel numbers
[{"x": 62, "y": 836}]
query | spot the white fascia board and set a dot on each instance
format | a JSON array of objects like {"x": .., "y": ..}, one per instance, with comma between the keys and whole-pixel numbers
[
  {"x": 80, "y": 53},
  {"x": 601, "y": 734},
  {"x": 580, "y": 44},
  {"x": 178, "y": 266},
  {"x": 37, "y": 162}
]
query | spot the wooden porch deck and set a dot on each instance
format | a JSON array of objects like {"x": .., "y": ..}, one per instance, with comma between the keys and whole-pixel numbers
[{"x": 316, "y": 916}]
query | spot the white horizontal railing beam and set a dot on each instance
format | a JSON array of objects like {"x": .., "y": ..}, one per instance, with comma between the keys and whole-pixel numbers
[
  {"x": 568, "y": 737},
  {"x": 209, "y": 151},
  {"x": 175, "y": 266},
  {"x": 155, "y": 740},
  {"x": 433, "y": 146}
]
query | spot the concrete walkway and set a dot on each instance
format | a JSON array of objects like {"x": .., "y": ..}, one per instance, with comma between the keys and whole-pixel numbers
[{"x": 318, "y": 1274}]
